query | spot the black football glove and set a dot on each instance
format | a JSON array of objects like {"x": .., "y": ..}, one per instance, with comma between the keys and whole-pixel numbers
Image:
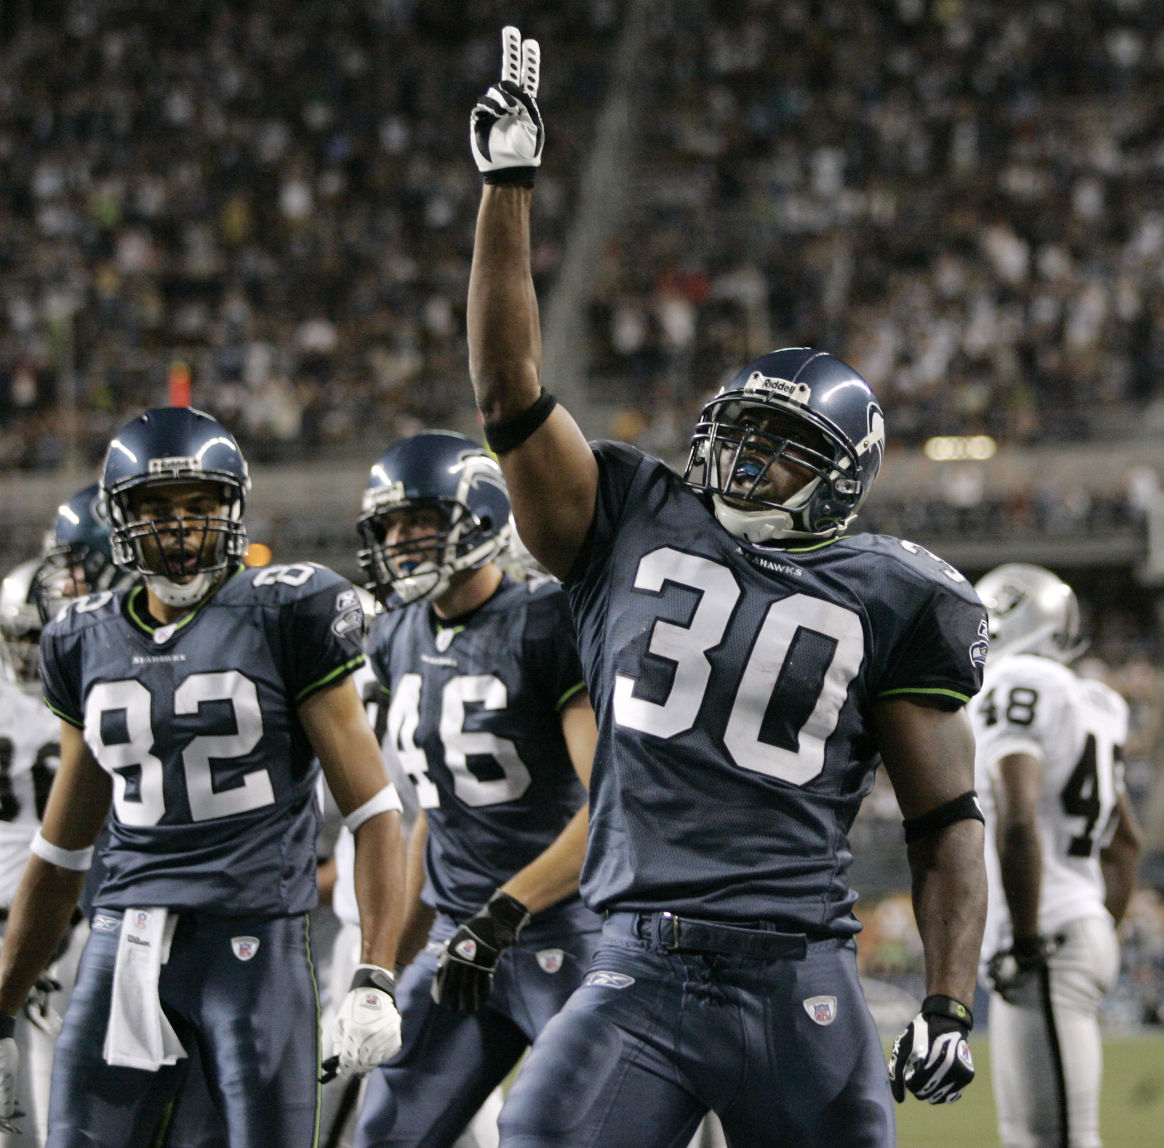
[
  {"x": 465, "y": 965},
  {"x": 1009, "y": 968},
  {"x": 505, "y": 126},
  {"x": 931, "y": 1058}
]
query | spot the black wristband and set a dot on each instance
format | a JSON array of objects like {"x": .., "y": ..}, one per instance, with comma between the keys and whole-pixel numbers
[
  {"x": 964, "y": 807},
  {"x": 512, "y": 176},
  {"x": 1035, "y": 946},
  {"x": 7, "y": 1026},
  {"x": 939, "y": 1005},
  {"x": 509, "y": 433},
  {"x": 370, "y": 976},
  {"x": 508, "y": 911}
]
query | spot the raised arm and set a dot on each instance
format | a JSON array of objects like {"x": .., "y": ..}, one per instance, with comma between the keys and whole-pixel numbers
[{"x": 548, "y": 465}]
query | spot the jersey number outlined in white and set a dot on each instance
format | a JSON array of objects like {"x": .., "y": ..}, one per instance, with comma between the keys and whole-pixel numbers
[{"x": 775, "y": 645}]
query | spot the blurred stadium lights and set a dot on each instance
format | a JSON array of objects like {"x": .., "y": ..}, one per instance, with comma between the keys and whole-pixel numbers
[{"x": 961, "y": 448}]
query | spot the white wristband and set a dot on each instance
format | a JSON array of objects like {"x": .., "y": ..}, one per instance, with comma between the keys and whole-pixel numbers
[
  {"x": 384, "y": 801},
  {"x": 76, "y": 859}
]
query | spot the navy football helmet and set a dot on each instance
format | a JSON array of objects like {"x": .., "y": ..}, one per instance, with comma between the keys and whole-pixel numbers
[
  {"x": 808, "y": 408},
  {"x": 180, "y": 556},
  {"x": 1029, "y": 610},
  {"x": 452, "y": 475},
  {"x": 78, "y": 556}
]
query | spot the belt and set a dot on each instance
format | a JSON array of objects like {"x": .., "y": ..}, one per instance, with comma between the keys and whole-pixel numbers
[{"x": 686, "y": 934}]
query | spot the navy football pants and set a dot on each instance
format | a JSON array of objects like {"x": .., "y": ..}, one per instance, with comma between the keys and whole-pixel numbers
[
  {"x": 785, "y": 1051},
  {"x": 255, "y": 1023},
  {"x": 450, "y": 1061}
]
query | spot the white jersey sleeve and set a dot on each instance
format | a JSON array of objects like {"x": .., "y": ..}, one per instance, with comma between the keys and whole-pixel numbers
[
  {"x": 29, "y": 754},
  {"x": 1076, "y": 729}
]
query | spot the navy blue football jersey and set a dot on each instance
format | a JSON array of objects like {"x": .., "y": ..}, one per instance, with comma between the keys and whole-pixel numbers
[
  {"x": 214, "y": 804},
  {"x": 734, "y": 686},
  {"x": 475, "y": 717}
]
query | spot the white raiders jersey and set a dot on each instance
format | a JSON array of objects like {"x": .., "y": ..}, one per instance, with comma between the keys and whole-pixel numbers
[
  {"x": 1076, "y": 727},
  {"x": 30, "y": 749}
]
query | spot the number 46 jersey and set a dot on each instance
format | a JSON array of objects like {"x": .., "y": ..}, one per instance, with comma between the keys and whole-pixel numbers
[
  {"x": 214, "y": 804},
  {"x": 734, "y": 687},
  {"x": 1076, "y": 728}
]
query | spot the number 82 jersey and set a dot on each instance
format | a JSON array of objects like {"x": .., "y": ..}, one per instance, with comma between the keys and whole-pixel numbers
[{"x": 197, "y": 723}]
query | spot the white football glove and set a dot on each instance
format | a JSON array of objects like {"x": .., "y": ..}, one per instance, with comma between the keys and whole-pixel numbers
[
  {"x": 505, "y": 126},
  {"x": 931, "y": 1057},
  {"x": 9, "y": 1070},
  {"x": 367, "y": 1027}
]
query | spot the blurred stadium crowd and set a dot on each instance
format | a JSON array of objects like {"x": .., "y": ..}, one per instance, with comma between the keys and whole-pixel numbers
[{"x": 961, "y": 196}]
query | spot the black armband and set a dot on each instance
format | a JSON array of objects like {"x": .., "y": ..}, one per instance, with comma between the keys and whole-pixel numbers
[
  {"x": 512, "y": 176},
  {"x": 7, "y": 1026},
  {"x": 948, "y": 1007},
  {"x": 506, "y": 434},
  {"x": 965, "y": 807}
]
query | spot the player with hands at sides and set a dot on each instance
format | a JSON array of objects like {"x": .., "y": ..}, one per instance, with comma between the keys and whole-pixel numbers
[
  {"x": 488, "y": 715},
  {"x": 196, "y": 709},
  {"x": 77, "y": 559},
  {"x": 1062, "y": 848},
  {"x": 29, "y": 750},
  {"x": 750, "y": 665}
]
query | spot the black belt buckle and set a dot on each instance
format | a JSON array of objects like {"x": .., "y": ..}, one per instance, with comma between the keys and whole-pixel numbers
[{"x": 665, "y": 923}]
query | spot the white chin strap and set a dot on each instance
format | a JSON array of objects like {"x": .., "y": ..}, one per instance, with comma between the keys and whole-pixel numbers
[
  {"x": 760, "y": 526},
  {"x": 182, "y": 593},
  {"x": 755, "y": 526},
  {"x": 423, "y": 584}
]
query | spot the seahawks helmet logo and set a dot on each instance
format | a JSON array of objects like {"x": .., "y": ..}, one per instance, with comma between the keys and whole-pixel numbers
[{"x": 874, "y": 439}]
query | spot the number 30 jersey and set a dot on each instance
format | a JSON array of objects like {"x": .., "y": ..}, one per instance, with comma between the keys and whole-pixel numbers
[
  {"x": 1076, "y": 728},
  {"x": 214, "y": 804},
  {"x": 475, "y": 719},
  {"x": 734, "y": 687}
]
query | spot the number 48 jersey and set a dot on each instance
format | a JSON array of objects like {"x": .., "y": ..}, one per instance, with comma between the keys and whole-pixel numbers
[
  {"x": 1076, "y": 728},
  {"x": 214, "y": 804}
]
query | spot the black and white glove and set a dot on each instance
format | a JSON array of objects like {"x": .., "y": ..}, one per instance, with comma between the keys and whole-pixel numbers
[
  {"x": 465, "y": 964},
  {"x": 1009, "y": 968},
  {"x": 505, "y": 126},
  {"x": 367, "y": 1026},
  {"x": 9, "y": 1070},
  {"x": 931, "y": 1058}
]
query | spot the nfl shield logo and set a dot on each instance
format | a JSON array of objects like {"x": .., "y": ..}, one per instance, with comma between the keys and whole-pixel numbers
[
  {"x": 823, "y": 1010},
  {"x": 550, "y": 960},
  {"x": 140, "y": 919},
  {"x": 467, "y": 949},
  {"x": 244, "y": 947}
]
